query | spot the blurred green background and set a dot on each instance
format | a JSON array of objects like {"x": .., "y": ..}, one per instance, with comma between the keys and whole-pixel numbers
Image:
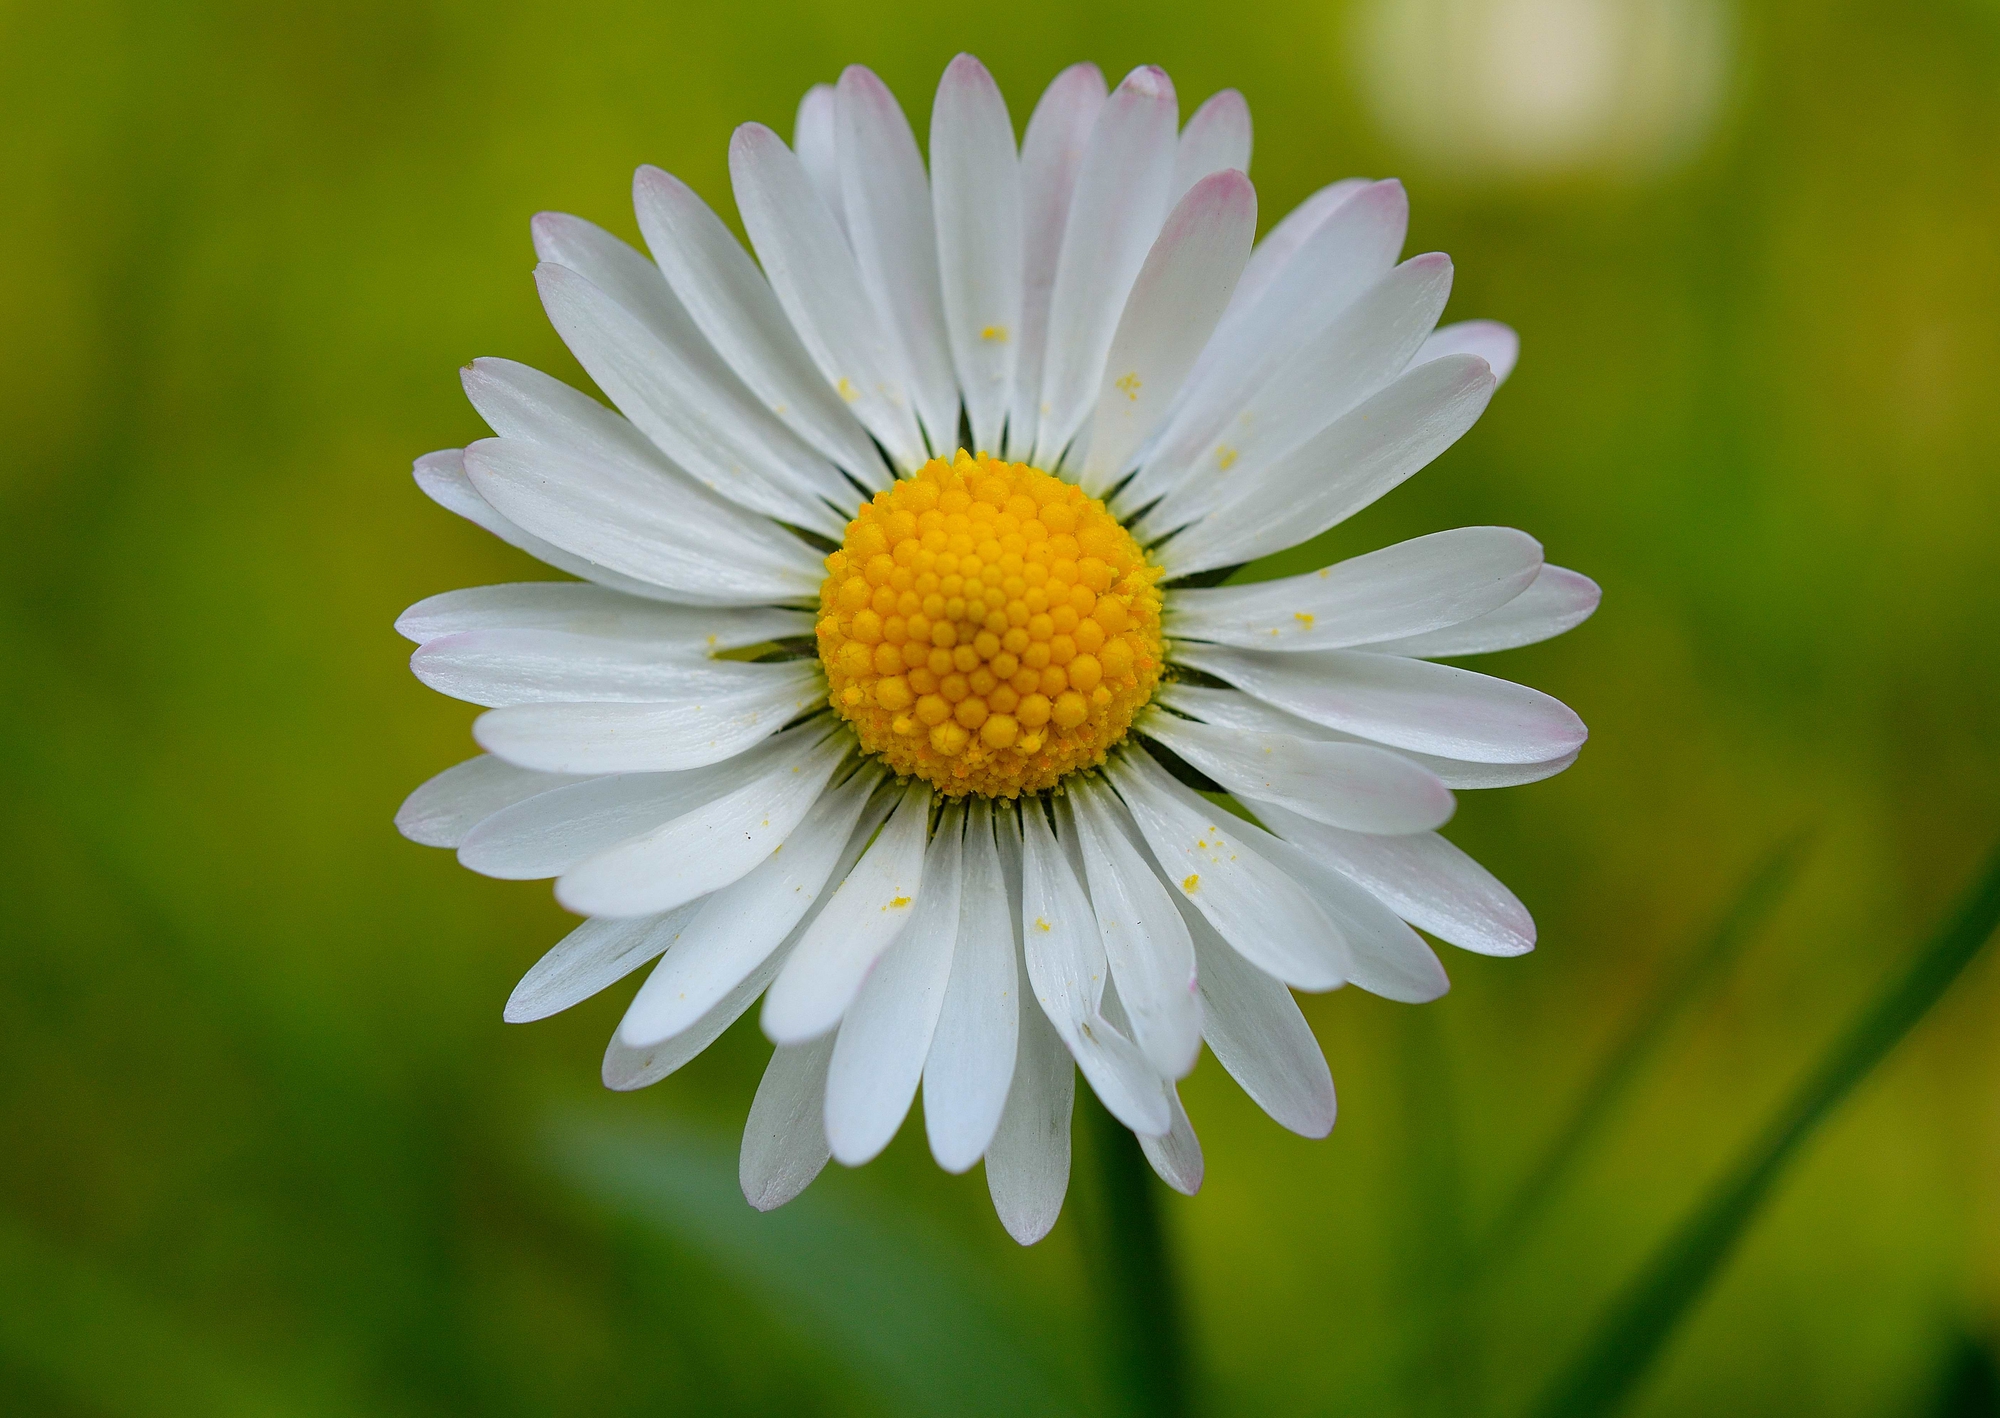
[{"x": 265, "y": 1144}]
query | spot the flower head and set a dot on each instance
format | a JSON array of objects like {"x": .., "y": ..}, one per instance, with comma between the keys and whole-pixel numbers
[
  {"x": 1004, "y": 784},
  {"x": 987, "y": 628}
]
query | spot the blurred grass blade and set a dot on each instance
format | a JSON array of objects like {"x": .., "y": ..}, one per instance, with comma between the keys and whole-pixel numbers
[
  {"x": 903, "y": 1308},
  {"x": 86, "y": 1338},
  {"x": 1640, "y": 1322},
  {"x": 1746, "y": 915}
]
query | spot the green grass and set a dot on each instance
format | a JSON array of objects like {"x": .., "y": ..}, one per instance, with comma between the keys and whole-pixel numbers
[{"x": 1626, "y": 1340}]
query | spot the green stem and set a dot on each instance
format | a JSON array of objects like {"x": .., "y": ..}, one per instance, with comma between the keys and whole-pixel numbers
[
  {"x": 1641, "y": 1321},
  {"x": 1133, "y": 1271}
]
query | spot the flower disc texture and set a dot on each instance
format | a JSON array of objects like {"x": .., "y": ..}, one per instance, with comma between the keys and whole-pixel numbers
[{"x": 900, "y": 684}]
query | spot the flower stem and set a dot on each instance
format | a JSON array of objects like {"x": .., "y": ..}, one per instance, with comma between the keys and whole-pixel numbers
[{"x": 1133, "y": 1271}]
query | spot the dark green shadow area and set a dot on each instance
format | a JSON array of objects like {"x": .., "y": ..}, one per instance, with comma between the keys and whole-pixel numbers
[{"x": 905, "y": 1309}]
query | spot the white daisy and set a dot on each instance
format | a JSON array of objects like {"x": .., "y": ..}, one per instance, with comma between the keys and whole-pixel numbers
[{"x": 899, "y": 789}]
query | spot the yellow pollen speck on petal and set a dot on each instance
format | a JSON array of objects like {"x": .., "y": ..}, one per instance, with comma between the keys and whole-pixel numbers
[
  {"x": 1042, "y": 925},
  {"x": 1304, "y": 618},
  {"x": 1190, "y": 882},
  {"x": 988, "y": 628},
  {"x": 1225, "y": 457},
  {"x": 897, "y": 903},
  {"x": 1128, "y": 385},
  {"x": 845, "y": 388},
  {"x": 995, "y": 334}
]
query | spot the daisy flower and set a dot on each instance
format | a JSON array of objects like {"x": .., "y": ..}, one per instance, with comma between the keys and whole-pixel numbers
[{"x": 899, "y": 686}]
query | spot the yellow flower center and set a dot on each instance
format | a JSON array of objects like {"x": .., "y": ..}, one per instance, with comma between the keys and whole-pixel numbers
[{"x": 988, "y": 628}]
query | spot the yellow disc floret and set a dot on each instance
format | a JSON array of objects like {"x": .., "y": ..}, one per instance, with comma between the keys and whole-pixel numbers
[{"x": 988, "y": 628}]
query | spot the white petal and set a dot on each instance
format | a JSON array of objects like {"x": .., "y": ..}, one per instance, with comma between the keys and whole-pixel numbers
[
  {"x": 1007, "y": 836},
  {"x": 1422, "y": 878},
  {"x": 630, "y": 282},
  {"x": 442, "y": 478},
  {"x": 1382, "y": 955},
  {"x": 699, "y": 717},
  {"x": 813, "y": 272},
  {"x": 1177, "y": 1155},
  {"x": 1436, "y": 709},
  {"x": 627, "y": 1067},
  {"x": 694, "y": 409},
  {"x": 1558, "y": 600},
  {"x": 1066, "y": 965},
  {"x": 1385, "y": 957},
  {"x": 1459, "y": 773},
  {"x": 547, "y": 834},
  {"x": 596, "y": 955},
  {"x": 1493, "y": 342},
  {"x": 1215, "y": 139},
  {"x": 971, "y": 1062},
  {"x": 623, "y": 275},
  {"x": 1250, "y": 901},
  {"x": 1123, "y": 192},
  {"x": 878, "y": 1056},
  {"x": 594, "y": 610},
  {"x": 784, "y": 1141},
  {"x": 740, "y": 926},
  {"x": 520, "y": 402},
  {"x": 1282, "y": 242},
  {"x": 1357, "y": 458},
  {"x": 527, "y": 406},
  {"x": 1357, "y": 353},
  {"x": 1353, "y": 785},
  {"x": 705, "y": 849},
  {"x": 867, "y": 911},
  {"x": 1255, "y": 1030},
  {"x": 1178, "y": 296},
  {"x": 1027, "y": 1163},
  {"x": 1406, "y": 589},
  {"x": 1145, "y": 942},
  {"x": 507, "y": 666},
  {"x": 444, "y": 809},
  {"x": 1238, "y": 710},
  {"x": 976, "y": 201},
  {"x": 1346, "y": 254},
  {"x": 814, "y": 140},
  {"x": 888, "y": 206},
  {"x": 1051, "y": 156},
  {"x": 730, "y": 300},
  {"x": 642, "y": 525}
]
